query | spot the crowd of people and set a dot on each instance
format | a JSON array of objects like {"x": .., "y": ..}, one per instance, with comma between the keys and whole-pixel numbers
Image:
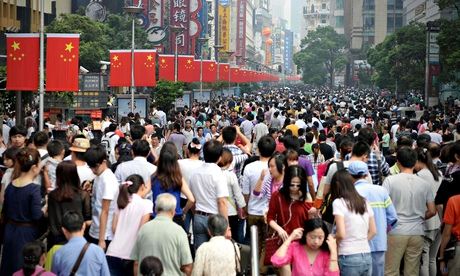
[{"x": 337, "y": 182}]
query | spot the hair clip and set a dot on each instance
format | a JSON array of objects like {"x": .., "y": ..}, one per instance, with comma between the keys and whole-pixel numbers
[
  {"x": 195, "y": 146},
  {"x": 31, "y": 157},
  {"x": 127, "y": 183}
]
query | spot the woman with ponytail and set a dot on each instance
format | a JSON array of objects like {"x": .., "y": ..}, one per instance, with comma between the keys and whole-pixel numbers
[
  {"x": 133, "y": 210},
  {"x": 22, "y": 209},
  {"x": 34, "y": 258}
]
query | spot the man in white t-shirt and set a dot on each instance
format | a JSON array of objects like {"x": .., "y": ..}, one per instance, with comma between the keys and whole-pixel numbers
[
  {"x": 209, "y": 187},
  {"x": 104, "y": 197},
  {"x": 78, "y": 149},
  {"x": 139, "y": 165}
]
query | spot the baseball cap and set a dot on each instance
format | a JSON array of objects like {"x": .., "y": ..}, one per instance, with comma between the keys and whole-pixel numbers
[
  {"x": 358, "y": 168},
  {"x": 80, "y": 145}
]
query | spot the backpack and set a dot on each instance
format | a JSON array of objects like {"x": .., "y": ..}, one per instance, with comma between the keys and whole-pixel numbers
[{"x": 105, "y": 142}]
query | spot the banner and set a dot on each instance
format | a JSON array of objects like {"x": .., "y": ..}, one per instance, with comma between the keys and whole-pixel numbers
[
  {"x": 120, "y": 68},
  {"x": 224, "y": 27},
  {"x": 144, "y": 68},
  {"x": 188, "y": 70},
  {"x": 166, "y": 67},
  {"x": 62, "y": 53},
  {"x": 180, "y": 17},
  {"x": 22, "y": 61},
  {"x": 241, "y": 29},
  {"x": 224, "y": 71},
  {"x": 209, "y": 70}
]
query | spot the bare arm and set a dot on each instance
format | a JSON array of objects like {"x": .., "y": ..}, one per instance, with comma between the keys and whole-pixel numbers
[
  {"x": 311, "y": 187},
  {"x": 188, "y": 194},
  {"x": 135, "y": 266},
  {"x": 187, "y": 269},
  {"x": 431, "y": 210},
  {"x": 103, "y": 222},
  {"x": 114, "y": 223},
  {"x": 244, "y": 139},
  {"x": 222, "y": 206},
  {"x": 340, "y": 224}
]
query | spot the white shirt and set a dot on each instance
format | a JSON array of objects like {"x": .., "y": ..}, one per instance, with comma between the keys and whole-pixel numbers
[
  {"x": 247, "y": 127},
  {"x": 139, "y": 165},
  {"x": 126, "y": 230},
  {"x": 207, "y": 185},
  {"x": 105, "y": 187},
  {"x": 104, "y": 125},
  {"x": 85, "y": 173},
  {"x": 436, "y": 137},
  {"x": 356, "y": 228},
  {"x": 256, "y": 205},
  {"x": 301, "y": 124},
  {"x": 394, "y": 129},
  {"x": 216, "y": 257},
  {"x": 188, "y": 167}
]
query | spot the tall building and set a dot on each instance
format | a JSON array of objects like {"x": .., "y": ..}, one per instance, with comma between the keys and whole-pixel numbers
[
  {"x": 369, "y": 21},
  {"x": 316, "y": 13},
  {"x": 423, "y": 11}
]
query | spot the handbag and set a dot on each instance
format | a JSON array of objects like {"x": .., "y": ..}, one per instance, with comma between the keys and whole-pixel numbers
[
  {"x": 274, "y": 242},
  {"x": 242, "y": 261}
]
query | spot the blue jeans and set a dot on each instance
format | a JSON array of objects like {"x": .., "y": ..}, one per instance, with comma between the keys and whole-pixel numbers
[
  {"x": 120, "y": 267},
  {"x": 200, "y": 230},
  {"x": 378, "y": 263},
  {"x": 355, "y": 264},
  {"x": 237, "y": 228}
]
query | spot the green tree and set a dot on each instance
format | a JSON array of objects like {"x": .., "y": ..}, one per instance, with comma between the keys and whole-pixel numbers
[
  {"x": 446, "y": 4},
  {"x": 322, "y": 55},
  {"x": 166, "y": 92},
  {"x": 96, "y": 38},
  {"x": 399, "y": 61}
]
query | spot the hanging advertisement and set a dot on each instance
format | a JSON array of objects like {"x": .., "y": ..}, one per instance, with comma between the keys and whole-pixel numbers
[
  {"x": 241, "y": 29},
  {"x": 224, "y": 25},
  {"x": 180, "y": 17}
]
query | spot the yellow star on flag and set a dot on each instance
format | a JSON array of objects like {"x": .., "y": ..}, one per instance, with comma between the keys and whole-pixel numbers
[
  {"x": 163, "y": 61},
  {"x": 15, "y": 45},
  {"x": 149, "y": 57},
  {"x": 115, "y": 58},
  {"x": 189, "y": 61},
  {"x": 69, "y": 47}
]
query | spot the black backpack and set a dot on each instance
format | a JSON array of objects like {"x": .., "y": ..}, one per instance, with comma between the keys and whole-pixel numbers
[{"x": 326, "y": 207}]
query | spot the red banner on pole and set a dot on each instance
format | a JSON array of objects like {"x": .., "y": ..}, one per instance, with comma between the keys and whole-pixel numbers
[
  {"x": 120, "y": 68},
  {"x": 209, "y": 70},
  {"x": 188, "y": 70},
  {"x": 224, "y": 71},
  {"x": 144, "y": 68},
  {"x": 166, "y": 67},
  {"x": 62, "y": 53},
  {"x": 22, "y": 61}
]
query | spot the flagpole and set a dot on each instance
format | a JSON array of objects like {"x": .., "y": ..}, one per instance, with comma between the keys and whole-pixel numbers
[
  {"x": 133, "y": 10},
  {"x": 41, "y": 92}
]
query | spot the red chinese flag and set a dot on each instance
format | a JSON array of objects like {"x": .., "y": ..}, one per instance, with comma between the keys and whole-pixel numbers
[
  {"x": 209, "y": 71},
  {"x": 166, "y": 67},
  {"x": 188, "y": 71},
  {"x": 144, "y": 68},
  {"x": 235, "y": 75},
  {"x": 120, "y": 68},
  {"x": 22, "y": 60},
  {"x": 224, "y": 71},
  {"x": 62, "y": 62}
]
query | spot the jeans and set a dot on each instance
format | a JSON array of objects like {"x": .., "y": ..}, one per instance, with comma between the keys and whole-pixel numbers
[
  {"x": 378, "y": 263},
  {"x": 120, "y": 267},
  {"x": 200, "y": 230},
  {"x": 430, "y": 250},
  {"x": 409, "y": 247},
  {"x": 356, "y": 264},
  {"x": 237, "y": 227},
  {"x": 453, "y": 265}
]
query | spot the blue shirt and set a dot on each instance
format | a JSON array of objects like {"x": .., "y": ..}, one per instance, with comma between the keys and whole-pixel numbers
[
  {"x": 93, "y": 263},
  {"x": 384, "y": 212}
]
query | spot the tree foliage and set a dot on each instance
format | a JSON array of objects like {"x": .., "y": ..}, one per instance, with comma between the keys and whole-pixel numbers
[
  {"x": 96, "y": 38},
  {"x": 400, "y": 59},
  {"x": 322, "y": 55},
  {"x": 166, "y": 92},
  {"x": 446, "y": 4}
]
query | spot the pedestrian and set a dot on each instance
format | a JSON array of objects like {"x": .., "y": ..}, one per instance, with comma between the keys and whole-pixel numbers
[
  {"x": 355, "y": 224},
  {"x": 133, "y": 210},
  {"x": 67, "y": 259},
  {"x": 34, "y": 254},
  {"x": 164, "y": 239},
  {"x": 22, "y": 209},
  {"x": 151, "y": 266}
]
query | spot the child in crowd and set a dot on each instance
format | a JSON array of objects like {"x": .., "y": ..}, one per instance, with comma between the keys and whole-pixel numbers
[
  {"x": 56, "y": 152},
  {"x": 34, "y": 258}
]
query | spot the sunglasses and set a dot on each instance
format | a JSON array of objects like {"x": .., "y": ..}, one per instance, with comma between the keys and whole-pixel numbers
[{"x": 293, "y": 185}]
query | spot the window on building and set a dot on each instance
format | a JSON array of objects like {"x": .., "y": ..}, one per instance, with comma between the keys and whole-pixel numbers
[
  {"x": 368, "y": 5},
  {"x": 390, "y": 5},
  {"x": 312, "y": 8},
  {"x": 339, "y": 21},
  {"x": 399, "y": 4},
  {"x": 398, "y": 21},
  {"x": 323, "y": 6},
  {"x": 390, "y": 23},
  {"x": 369, "y": 23},
  {"x": 339, "y": 4}
]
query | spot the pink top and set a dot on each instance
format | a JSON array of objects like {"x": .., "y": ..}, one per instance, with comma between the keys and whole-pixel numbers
[
  {"x": 38, "y": 269},
  {"x": 297, "y": 256}
]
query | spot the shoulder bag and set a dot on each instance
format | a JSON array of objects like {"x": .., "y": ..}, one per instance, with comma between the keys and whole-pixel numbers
[{"x": 79, "y": 259}]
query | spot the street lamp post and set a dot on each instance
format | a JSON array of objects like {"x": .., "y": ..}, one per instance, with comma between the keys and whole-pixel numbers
[
  {"x": 217, "y": 48},
  {"x": 229, "y": 53},
  {"x": 202, "y": 41},
  {"x": 133, "y": 11},
  {"x": 41, "y": 98},
  {"x": 176, "y": 30}
]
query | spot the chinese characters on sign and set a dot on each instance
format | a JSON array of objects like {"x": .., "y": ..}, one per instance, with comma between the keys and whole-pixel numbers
[
  {"x": 241, "y": 28},
  {"x": 180, "y": 16}
]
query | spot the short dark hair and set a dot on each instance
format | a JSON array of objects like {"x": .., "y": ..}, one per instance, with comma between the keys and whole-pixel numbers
[
  {"x": 229, "y": 134},
  {"x": 212, "y": 151},
  {"x": 137, "y": 131},
  {"x": 41, "y": 138},
  {"x": 266, "y": 146},
  {"x": 15, "y": 130},
  {"x": 151, "y": 266},
  {"x": 217, "y": 225},
  {"x": 55, "y": 148},
  {"x": 95, "y": 155},
  {"x": 72, "y": 221},
  {"x": 423, "y": 140},
  {"x": 407, "y": 157},
  {"x": 141, "y": 148},
  {"x": 366, "y": 135},
  {"x": 360, "y": 149}
]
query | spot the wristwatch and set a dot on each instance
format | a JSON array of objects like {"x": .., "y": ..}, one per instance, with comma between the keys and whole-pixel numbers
[{"x": 440, "y": 259}]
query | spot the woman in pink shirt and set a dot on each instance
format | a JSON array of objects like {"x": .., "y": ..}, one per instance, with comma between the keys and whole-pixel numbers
[{"x": 308, "y": 251}]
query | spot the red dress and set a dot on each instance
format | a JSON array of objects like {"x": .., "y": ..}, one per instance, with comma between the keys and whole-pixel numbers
[{"x": 291, "y": 213}]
